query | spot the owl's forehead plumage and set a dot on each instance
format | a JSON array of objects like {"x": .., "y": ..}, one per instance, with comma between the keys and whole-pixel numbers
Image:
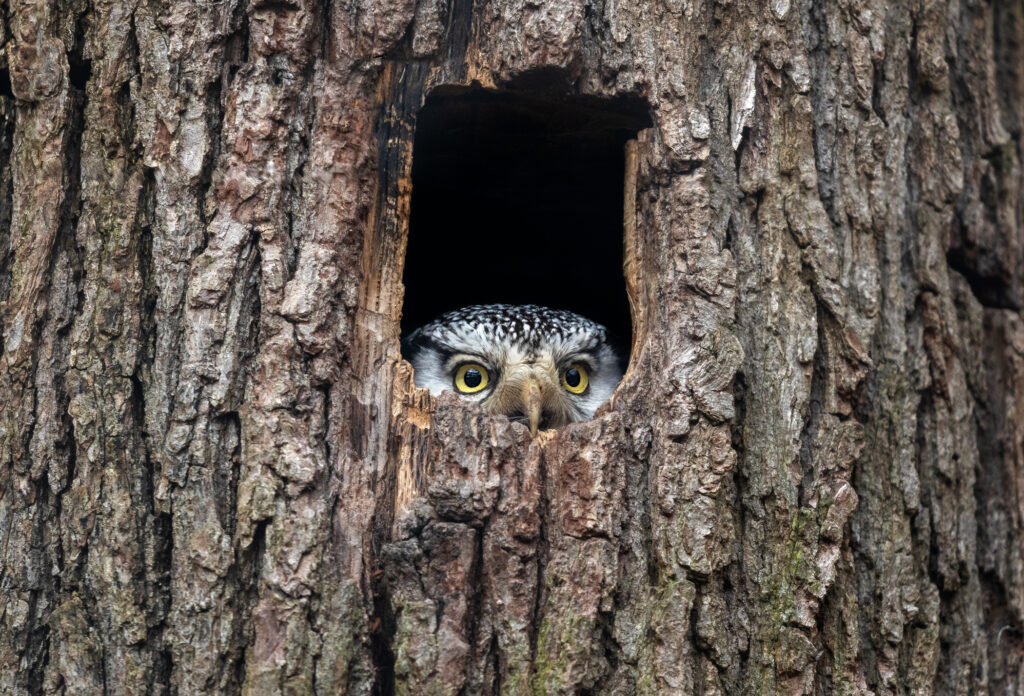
[{"x": 530, "y": 329}]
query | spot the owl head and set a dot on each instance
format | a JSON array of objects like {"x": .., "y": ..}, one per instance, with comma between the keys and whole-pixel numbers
[{"x": 541, "y": 367}]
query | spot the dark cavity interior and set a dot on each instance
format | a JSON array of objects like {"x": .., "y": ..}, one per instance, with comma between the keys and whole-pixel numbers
[{"x": 518, "y": 199}]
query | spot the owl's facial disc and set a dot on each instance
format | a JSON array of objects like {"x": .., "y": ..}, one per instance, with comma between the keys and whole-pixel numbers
[{"x": 541, "y": 367}]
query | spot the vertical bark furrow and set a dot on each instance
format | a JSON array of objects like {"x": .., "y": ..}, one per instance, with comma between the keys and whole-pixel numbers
[
  {"x": 235, "y": 296},
  {"x": 44, "y": 125},
  {"x": 1000, "y": 516},
  {"x": 112, "y": 487},
  {"x": 7, "y": 121}
]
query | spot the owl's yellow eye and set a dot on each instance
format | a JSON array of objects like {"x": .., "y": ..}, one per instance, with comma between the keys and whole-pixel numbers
[
  {"x": 470, "y": 378},
  {"x": 575, "y": 379}
]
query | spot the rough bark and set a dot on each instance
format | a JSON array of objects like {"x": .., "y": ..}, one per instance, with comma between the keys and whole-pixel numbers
[{"x": 217, "y": 478}]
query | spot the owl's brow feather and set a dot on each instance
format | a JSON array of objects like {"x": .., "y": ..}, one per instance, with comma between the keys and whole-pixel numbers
[
  {"x": 579, "y": 356},
  {"x": 459, "y": 357}
]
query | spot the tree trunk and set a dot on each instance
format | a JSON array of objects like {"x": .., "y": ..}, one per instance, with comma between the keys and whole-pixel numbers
[{"x": 216, "y": 476}]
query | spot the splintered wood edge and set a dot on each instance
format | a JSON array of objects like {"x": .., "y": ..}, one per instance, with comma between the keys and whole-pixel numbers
[
  {"x": 411, "y": 412},
  {"x": 632, "y": 258}
]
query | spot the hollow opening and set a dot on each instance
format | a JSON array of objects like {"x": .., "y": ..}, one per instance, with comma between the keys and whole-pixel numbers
[{"x": 518, "y": 199}]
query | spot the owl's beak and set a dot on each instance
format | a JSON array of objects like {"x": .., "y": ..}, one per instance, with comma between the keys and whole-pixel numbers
[{"x": 532, "y": 402}]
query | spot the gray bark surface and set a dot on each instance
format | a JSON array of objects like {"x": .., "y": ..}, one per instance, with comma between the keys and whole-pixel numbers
[{"x": 216, "y": 476}]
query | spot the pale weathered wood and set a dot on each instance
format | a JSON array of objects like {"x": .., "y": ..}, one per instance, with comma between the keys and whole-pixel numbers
[{"x": 216, "y": 476}]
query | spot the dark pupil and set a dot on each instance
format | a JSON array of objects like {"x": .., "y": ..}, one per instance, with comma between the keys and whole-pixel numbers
[
  {"x": 572, "y": 377},
  {"x": 472, "y": 378}
]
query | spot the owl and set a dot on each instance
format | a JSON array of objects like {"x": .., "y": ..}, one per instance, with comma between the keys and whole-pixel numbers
[{"x": 538, "y": 366}]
